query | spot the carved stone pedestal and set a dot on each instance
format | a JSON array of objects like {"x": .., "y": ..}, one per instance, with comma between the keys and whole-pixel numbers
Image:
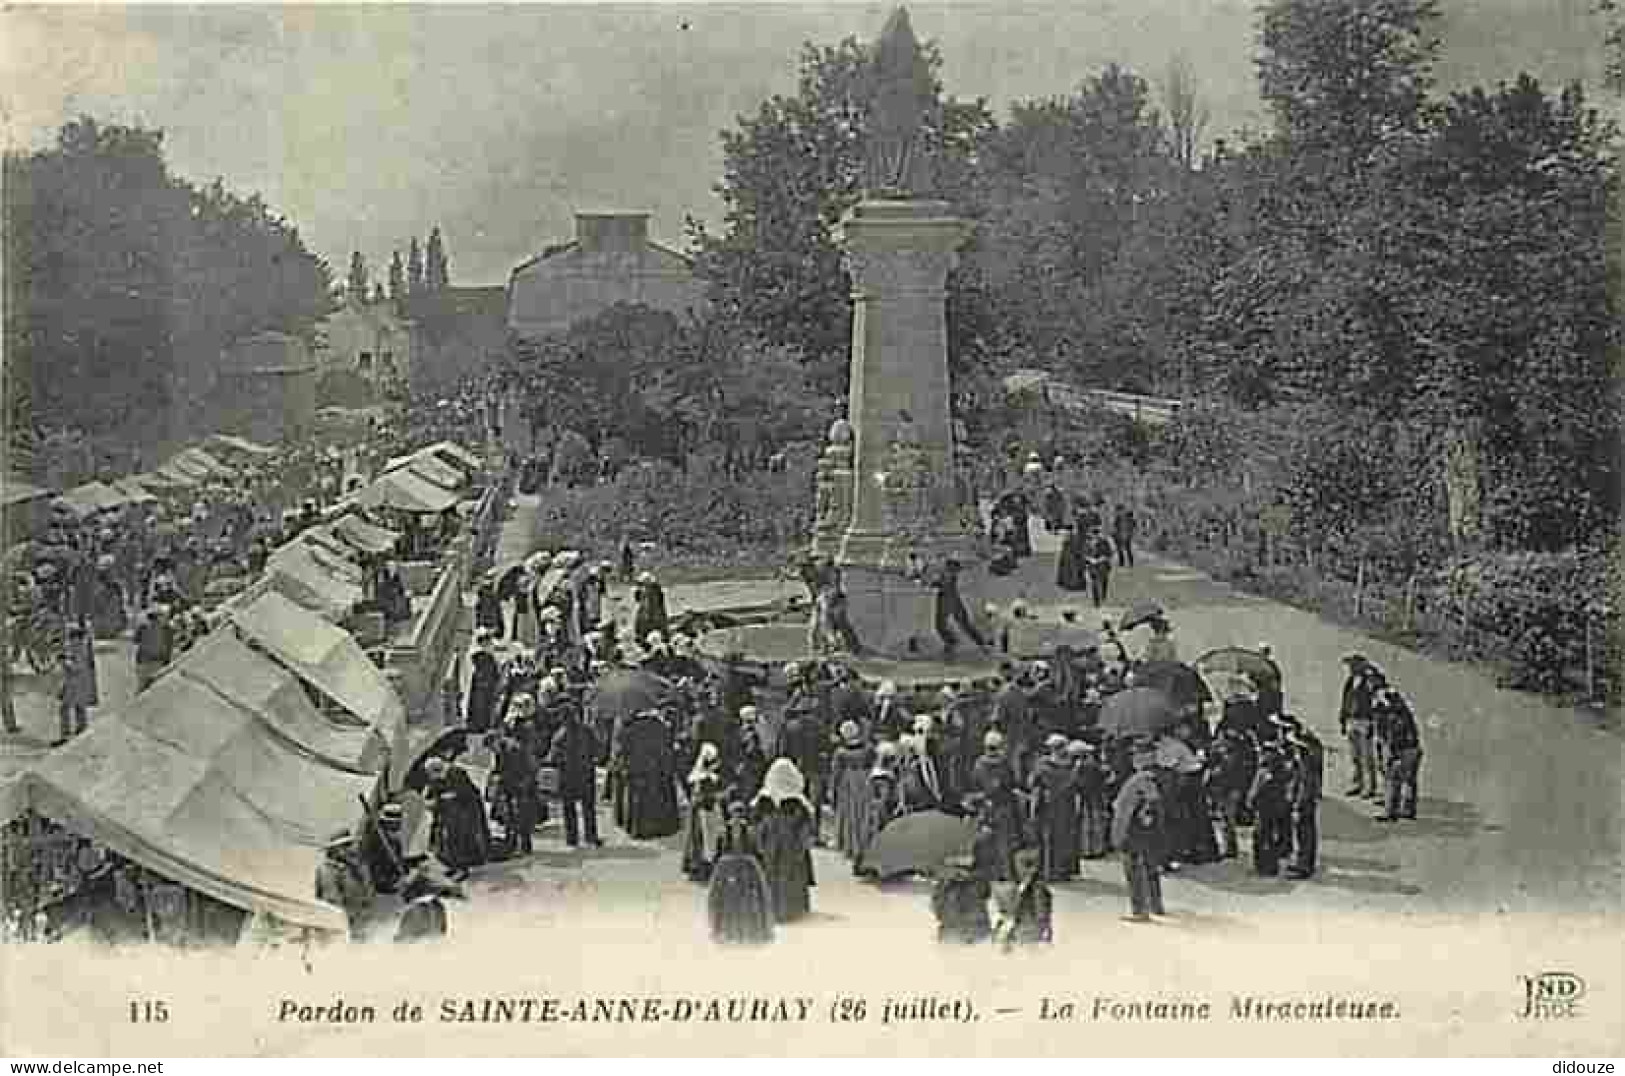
[{"x": 905, "y": 514}]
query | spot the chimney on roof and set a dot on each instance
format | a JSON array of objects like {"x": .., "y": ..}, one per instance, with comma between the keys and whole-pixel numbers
[{"x": 613, "y": 232}]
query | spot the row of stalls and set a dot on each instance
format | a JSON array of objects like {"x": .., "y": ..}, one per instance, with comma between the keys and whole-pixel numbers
[
  {"x": 200, "y": 811},
  {"x": 223, "y": 459}
]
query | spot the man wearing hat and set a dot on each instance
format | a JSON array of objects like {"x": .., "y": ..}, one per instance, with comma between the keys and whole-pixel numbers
[
  {"x": 78, "y": 692},
  {"x": 1137, "y": 830},
  {"x": 1404, "y": 744},
  {"x": 949, "y": 609},
  {"x": 154, "y": 646},
  {"x": 1303, "y": 796},
  {"x": 1358, "y": 723},
  {"x": 803, "y": 741},
  {"x": 1270, "y": 800}
]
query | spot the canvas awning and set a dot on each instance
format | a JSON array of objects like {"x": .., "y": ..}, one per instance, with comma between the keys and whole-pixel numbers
[
  {"x": 458, "y": 454},
  {"x": 93, "y": 497},
  {"x": 13, "y": 491},
  {"x": 441, "y": 474},
  {"x": 208, "y": 463},
  {"x": 203, "y": 792},
  {"x": 298, "y": 574},
  {"x": 175, "y": 476},
  {"x": 365, "y": 536},
  {"x": 225, "y": 664},
  {"x": 134, "y": 491},
  {"x": 241, "y": 444},
  {"x": 180, "y": 463},
  {"x": 331, "y": 555},
  {"x": 329, "y": 544},
  {"x": 330, "y": 659},
  {"x": 406, "y": 492}
]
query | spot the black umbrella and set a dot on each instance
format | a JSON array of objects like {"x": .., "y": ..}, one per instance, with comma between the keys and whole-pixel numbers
[
  {"x": 919, "y": 843},
  {"x": 447, "y": 745},
  {"x": 1141, "y": 613},
  {"x": 1139, "y": 711},
  {"x": 1181, "y": 683},
  {"x": 624, "y": 692},
  {"x": 1258, "y": 668}
]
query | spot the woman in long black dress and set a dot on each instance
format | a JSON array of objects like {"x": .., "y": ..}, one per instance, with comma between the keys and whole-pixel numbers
[
  {"x": 784, "y": 834},
  {"x": 1072, "y": 567},
  {"x": 484, "y": 681},
  {"x": 460, "y": 834},
  {"x": 738, "y": 905}
]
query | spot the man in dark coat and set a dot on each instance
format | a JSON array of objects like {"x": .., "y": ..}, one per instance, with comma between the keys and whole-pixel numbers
[
  {"x": 517, "y": 794},
  {"x": 1404, "y": 745},
  {"x": 574, "y": 753},
  {"x": 1271, "y": 804},
  {"x": 1012, "y": 714},
  {"x": 1357, "y": 721},
  {"x": 803, "y": 742},
  {"x": 1123, "y": 527},
  {"x": 1308, "y": 763},
  {"x": 950, "y": 611}
]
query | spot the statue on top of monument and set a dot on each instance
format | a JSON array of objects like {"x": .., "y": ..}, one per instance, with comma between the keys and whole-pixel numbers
[{"x": 901, "y": 99}]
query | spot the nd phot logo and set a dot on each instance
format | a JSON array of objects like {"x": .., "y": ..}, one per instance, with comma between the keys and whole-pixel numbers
[{"x": 1551, "y": 995}]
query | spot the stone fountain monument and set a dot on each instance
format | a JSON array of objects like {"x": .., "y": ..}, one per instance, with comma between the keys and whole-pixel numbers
[{"x": 891, "y": 510}]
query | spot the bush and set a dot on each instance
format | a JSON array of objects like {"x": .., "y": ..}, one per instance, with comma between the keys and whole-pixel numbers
[
  {"x": 695, "y": 518},
  {"x": 1539, "y": 604}
]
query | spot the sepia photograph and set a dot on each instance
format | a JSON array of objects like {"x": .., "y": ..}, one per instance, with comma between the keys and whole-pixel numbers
[{"x": 963, "y": 529}]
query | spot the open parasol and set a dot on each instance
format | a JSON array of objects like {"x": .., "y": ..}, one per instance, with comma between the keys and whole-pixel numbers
[
  {"x": 1139, "y": 711},
  {"x": 918, "y": 843},
  {"x": 624, "y": 692},
  {"x": 1181, "y": 683},
  {"x": 1141, "y": 613},
  {"x": 1251, "y": 664}
]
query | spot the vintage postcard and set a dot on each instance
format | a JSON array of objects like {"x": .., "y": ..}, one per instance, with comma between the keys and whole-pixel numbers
[{"x": 827, "y": 529}]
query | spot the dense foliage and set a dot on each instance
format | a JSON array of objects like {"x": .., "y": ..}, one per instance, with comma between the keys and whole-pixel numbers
[
  {"x": 1416, "y": 288},
  {"x": 640, "y": 382},
  {"x": 124, "y": 283}
]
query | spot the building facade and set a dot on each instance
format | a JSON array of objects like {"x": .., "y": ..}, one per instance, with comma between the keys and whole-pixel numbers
[
  {"x": 368, "y": 339},
  {"x": 266, "y": 388},
  {"x": 611, "y": 260}
]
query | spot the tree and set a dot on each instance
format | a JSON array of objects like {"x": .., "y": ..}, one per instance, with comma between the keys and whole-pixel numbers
[
  {"x": 1344, "y": 77},
  {"x": 1614, "y": 42},
  {"x": 1187, "y": 114},
  {"x": 1066, "y": 184},
  {"x": 436, "y": 272},
  {"x": 790, "y": 170},
  {"x": 414, "y": 268},
  {"x": 125, "y": 283},
  {"x": 397, "y": 279},
  {"x": 356, "y": 282}
]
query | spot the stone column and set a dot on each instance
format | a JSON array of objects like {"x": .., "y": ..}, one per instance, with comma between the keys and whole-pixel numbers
[{"x": 903, "y": 484}]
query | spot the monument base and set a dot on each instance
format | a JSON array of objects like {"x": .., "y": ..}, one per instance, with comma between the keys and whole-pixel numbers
[{"x": 896, "y": 617}]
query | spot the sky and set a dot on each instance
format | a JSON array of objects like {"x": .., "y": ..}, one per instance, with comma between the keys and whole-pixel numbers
[{"x": 367, "y": 124}]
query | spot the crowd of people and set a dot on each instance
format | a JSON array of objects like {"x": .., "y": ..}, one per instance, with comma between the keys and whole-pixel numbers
[
  {"x": 756, "y": 775},
  {"x": 154, "y": 569}
]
